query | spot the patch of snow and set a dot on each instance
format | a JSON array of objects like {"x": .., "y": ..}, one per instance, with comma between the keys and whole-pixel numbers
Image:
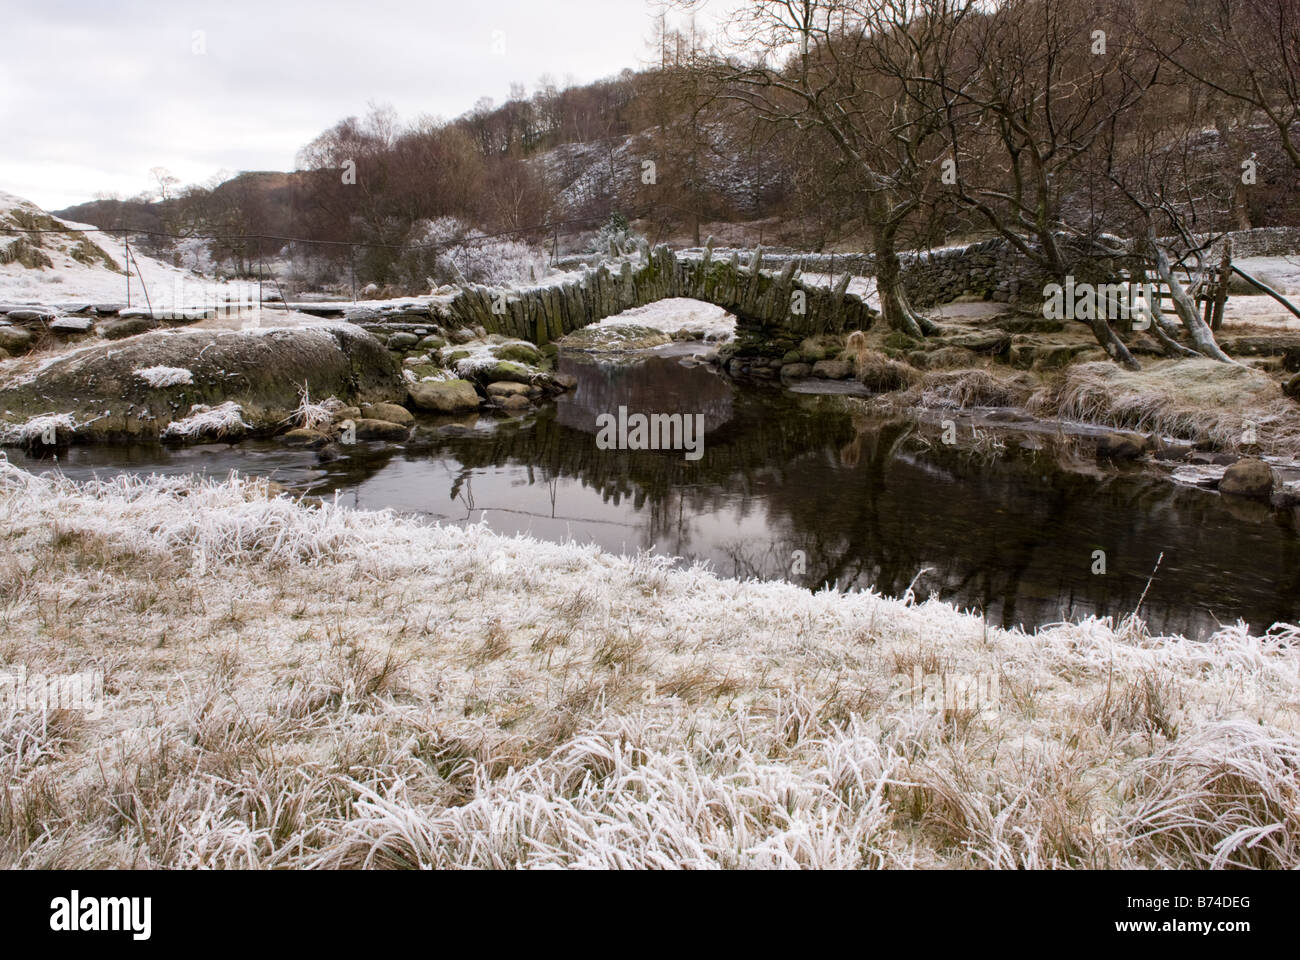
[
  {"x": 674, "y": 314},
  {"x": 165, "y": 376}
]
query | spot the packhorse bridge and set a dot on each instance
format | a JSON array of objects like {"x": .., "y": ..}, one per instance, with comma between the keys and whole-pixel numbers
[{"x": 768, "y": 306}]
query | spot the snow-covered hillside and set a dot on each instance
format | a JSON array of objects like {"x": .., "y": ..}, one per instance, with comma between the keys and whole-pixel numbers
[{"x": 83, "y": 264}]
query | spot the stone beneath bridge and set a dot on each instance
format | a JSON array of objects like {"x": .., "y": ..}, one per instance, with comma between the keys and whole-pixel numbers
[{"x": 768, "y": 306}]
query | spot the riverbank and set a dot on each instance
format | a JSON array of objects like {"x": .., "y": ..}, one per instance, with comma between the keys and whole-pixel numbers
[{"x": 326, "y": 687}]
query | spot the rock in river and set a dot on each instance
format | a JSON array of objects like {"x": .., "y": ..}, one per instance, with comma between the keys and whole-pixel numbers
[
  {"x": 260, "y": 370},
  {"x": 392, "y": 412},
  {"x": 444, "y": 396},
  {"x": 368, "y": 429},
  {"x": 1248, "y": 478}
]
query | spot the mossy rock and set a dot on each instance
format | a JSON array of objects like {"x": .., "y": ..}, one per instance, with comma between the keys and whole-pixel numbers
[
  {"x": 390, "y": 412},
  {"x": 505, "y": 370},
  {"x": 520, "y": 352},
  {"x": 261, "y": 371},
  {"x": 423, "y": 370},
  {"x": 445, "y": 396},
  {"x": 898, "y": 340},
  {"x": 455, "y": 356}
]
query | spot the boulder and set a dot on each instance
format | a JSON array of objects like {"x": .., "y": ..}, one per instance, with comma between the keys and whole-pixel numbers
[
  {"x": 391, "y": 412},
  {"x": 15, "y": 339},
  {"x": 506, "y": 388},
  {"x": 796, "y": 371},
  {"x": 402, "y": 341},
  {"x": 69, "y": 326},
  {"x": 262, "y": 371},
  {"x": 371, "y": 429},
  {"x": 130, "y": 327},
  {"x": 1248, "y": 478},
  {"x": 519, "y": 352},
  {"x": 505, "y": 370},
  {"x": 1120, "y": 446},
  {"x": 443, "y": 396},
  {"x": 979, "y": 341},
  {"x": 1172, "y": 450},
  {"x": 303, "y": 437},
  {"x": 515, "y": 403},
  {"x": 31, "y": 314}
]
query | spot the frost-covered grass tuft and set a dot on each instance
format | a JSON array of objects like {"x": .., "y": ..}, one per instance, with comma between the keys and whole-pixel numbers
[
  {"x": 208, "y": 423},
  {"x": 165, "y": 376},
  {"x": 1196, "y": 399},
  {"x": 36, "y": 428},
  {"x": 314, "y": 686},
  {"x": 314, "y": 415}
]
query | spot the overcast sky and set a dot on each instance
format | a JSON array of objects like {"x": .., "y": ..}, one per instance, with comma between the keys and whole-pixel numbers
[{"x": 94, "y": 94}]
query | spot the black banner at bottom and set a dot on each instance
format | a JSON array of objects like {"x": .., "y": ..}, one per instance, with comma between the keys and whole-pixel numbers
[{"x": 143, "y": 909}]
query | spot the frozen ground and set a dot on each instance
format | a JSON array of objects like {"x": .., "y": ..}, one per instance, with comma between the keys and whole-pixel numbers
[{"x": 321, "y": 687}]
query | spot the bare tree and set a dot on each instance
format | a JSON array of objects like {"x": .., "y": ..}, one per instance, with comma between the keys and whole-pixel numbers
[
  {"x": 1175, "y": 196},
  {"x": 1038, "y": 86},
  {"x": 855, "y": 75},
  {"x": 1246, "y": 51}
]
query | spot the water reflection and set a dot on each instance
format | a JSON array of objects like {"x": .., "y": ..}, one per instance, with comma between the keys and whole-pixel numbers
[{"x": 866, "y": 500}]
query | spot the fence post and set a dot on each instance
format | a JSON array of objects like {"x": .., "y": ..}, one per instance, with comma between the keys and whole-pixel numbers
[{"x": 1221, "y": 292}]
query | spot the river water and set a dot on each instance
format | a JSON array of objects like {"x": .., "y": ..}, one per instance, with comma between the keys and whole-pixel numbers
[{"x": 808, "y": 489}]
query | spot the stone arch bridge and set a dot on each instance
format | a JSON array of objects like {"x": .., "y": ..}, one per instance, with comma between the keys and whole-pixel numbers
[{"x": 766, "y": 304}]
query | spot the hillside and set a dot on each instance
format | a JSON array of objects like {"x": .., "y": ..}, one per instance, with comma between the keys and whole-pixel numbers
[{"x": 62, "y": 266}]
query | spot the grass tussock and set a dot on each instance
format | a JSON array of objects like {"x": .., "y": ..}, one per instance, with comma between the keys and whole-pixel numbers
[
  {"x": 874, "y": 369},
  {"x": 309, "y": 686},
  {"x": 979, "y": 387},
  {"x": 1195, "y": 399}
]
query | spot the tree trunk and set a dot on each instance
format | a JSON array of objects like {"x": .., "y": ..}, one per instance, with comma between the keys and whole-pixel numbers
[
  {"x": 894, "y": 306},
  {"x": 1112, "y": 344},
  {"x": 1101, "y": 328},
  {"x": 1200, "y": 332}
]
